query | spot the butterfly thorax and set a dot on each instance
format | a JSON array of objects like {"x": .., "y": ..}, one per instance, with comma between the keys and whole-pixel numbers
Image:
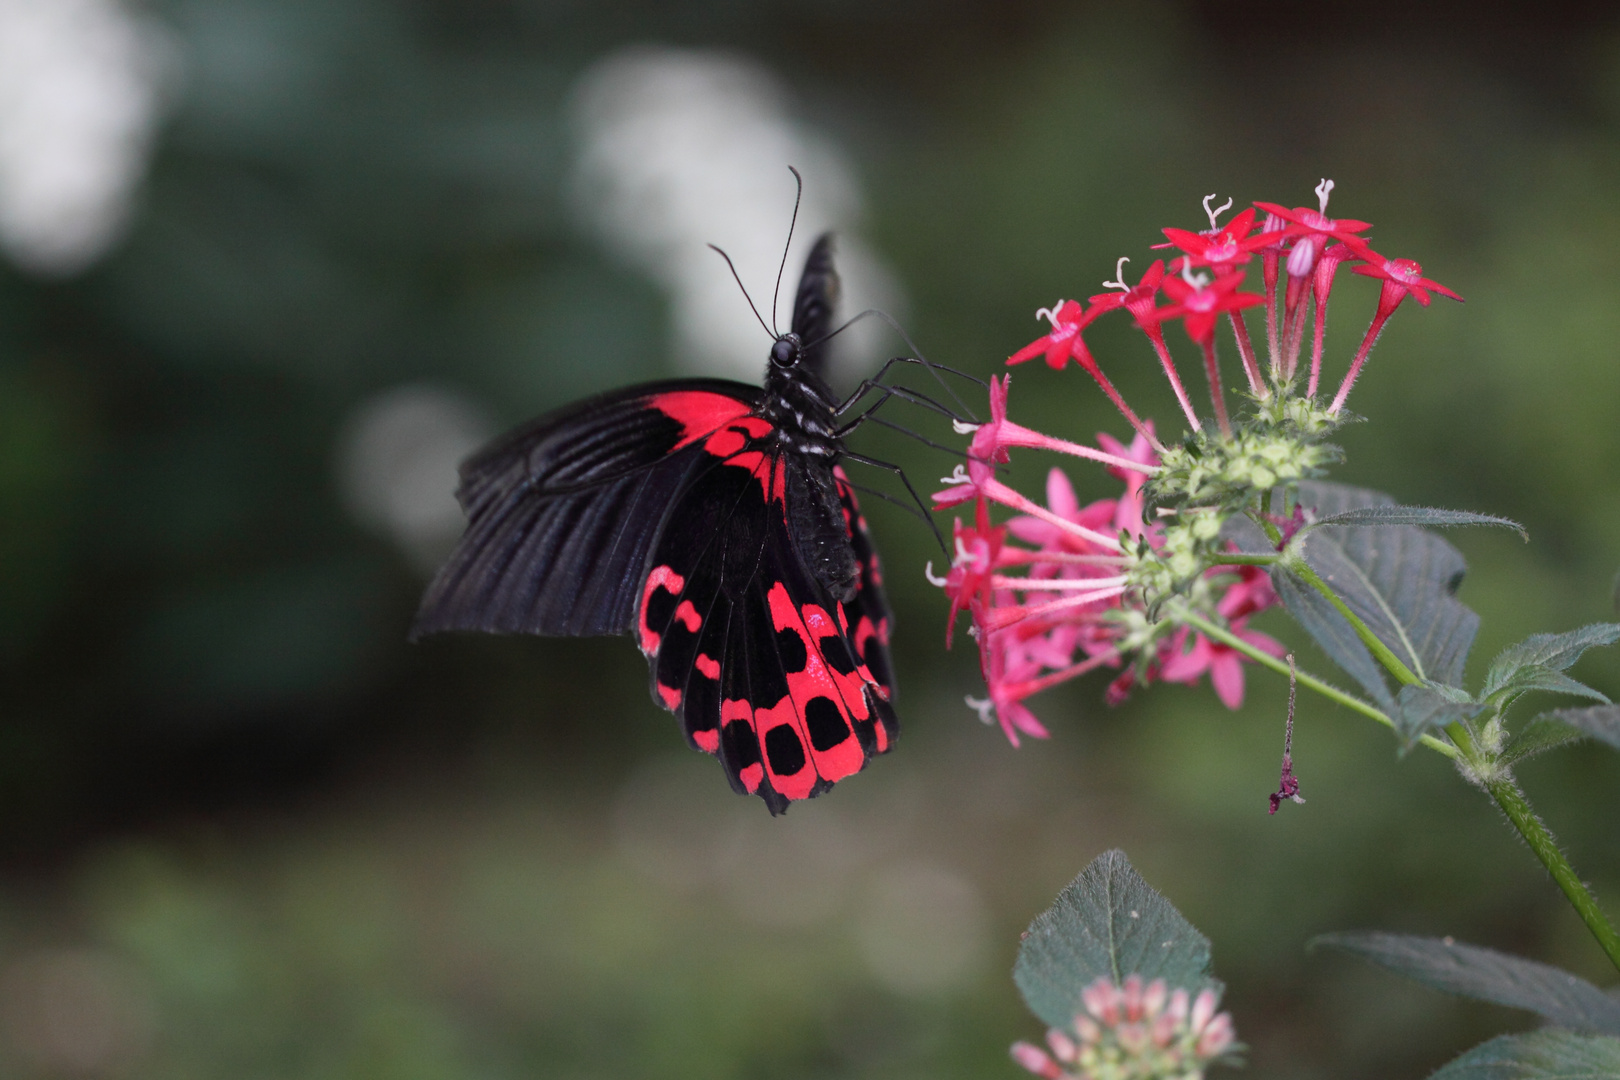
[{"x": 800, "y": 407}]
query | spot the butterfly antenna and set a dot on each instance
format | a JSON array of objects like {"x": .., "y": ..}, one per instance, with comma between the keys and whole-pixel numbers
[
  {"x": 777, "y": 292},
  {"x": 744, "y": 289}
]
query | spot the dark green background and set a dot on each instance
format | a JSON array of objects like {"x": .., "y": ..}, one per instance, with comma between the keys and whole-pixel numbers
[{"x": 316, "y": 851}]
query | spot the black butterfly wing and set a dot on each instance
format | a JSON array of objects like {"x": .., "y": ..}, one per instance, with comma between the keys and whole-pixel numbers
[
  {"x": 563, "y": 511},
  {"x": 816, "y": 304},
  {"x": 766, "y": 668}
]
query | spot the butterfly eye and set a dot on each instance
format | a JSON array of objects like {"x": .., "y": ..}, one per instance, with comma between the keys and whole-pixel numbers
[{"x": 785, "y": 353}]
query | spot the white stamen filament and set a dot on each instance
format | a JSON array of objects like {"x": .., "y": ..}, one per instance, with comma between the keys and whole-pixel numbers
[
  {"x": 962, "y": 427},
  {"x": 1049, "y": 314},
  {"x": 1197, "y": 281},
  {"x": 928, "y": 572},
  {"x": 960, "y": 476},
  {"x": 1323, "y": 190},
  {"x": 1119, "y": 274},
  {"x": 1213, "y": 214},
  {"x": 982, "y": 706}
]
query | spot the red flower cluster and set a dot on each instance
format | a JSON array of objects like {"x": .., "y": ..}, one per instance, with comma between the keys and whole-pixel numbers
[
  {"x": 1049, "y": 591},
  {"x": 1046, "y": 590},
  {"x": 1306, "y": 243}
]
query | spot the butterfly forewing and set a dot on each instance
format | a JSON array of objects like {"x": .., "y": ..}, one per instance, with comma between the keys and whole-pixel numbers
[{"x": 563, "y": 511}]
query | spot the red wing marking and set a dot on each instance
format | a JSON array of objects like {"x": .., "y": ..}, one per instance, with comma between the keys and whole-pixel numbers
[
  {"x": 732, "y": 438},
  {"x": 824, "y": 703},
  {"x": 708, "y": 666},
  {"x": 688, "y": 616},
  {"x": 698, "y": 412},
  {"x": 735, "y": 711},
  {"x": 662, "y": 577},
  {"x": 708, "y": 740},
  {"x": 672, "y": 699}
]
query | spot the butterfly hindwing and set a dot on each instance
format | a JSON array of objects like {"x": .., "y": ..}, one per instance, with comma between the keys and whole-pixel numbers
[
  {"x": 563, "y": 511},
  {"x": 767, "y": 669}
]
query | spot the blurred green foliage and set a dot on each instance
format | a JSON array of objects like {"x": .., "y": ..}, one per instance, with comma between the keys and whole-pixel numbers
[{"x": 297, "y": 847}]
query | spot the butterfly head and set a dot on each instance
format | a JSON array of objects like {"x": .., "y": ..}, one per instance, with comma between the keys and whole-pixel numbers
[{"x": 787, "y": 351}]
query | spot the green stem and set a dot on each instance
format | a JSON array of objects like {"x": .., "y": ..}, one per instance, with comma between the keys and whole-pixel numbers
[
  {"x": 1232, "y": 558},
  {"x": 1391, "y": 662},
  {"x": 1332, "y": 693},
  {"x": 1517, "y": 808}
]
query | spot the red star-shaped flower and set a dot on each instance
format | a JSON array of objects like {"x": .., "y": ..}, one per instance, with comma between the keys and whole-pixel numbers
[
  {"x": 1402, "y": 278},
  {"x": 1067, "y": 319},
  {"x": 1199, "y": 305},
  {"x": 1227, "y": 247}
]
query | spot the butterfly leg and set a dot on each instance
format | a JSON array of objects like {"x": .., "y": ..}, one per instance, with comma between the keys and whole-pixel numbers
[{"x": 901, "y": 473}]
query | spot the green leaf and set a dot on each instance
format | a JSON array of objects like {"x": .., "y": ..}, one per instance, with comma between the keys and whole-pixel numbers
[
  {"x": 1486, "y": 975},
  {"x": 1108, "y": 923},
  {"x": 1600, "y": 722},
  {"x": 1414, "y": 515},
  {"x": 1540, "y": 1055},
  {"x": 1537, "y": 737},
  {"x": 1539, "y": 677},
  {"x": 1399, "y": 580},
  {"x": 1556, "y": 652},
  {"x": 1426, "y": 707},
  {"x": 1332, "y": 633}
]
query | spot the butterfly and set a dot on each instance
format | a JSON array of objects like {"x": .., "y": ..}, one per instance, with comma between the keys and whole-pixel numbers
[{"x": 712, "y": 521}]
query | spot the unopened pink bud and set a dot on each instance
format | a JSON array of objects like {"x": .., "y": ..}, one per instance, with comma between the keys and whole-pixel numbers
[
  {"x": 1178, "y": 1006},
  {"x": 1203, "y": 1008},
  {"x": 1216, "y": 1037},
  {"x": 1153, "y": 1001},
  {"x": 1088, "y": 1030},
  {"x": 1034, "y": 1059},
  {"x": 1164, "y": 1030},
  {"x": 1102, "y": 1001},
  {"x": 1302, "y": 258},
  {"x": 1131, "y": 997},
  {"x": 1063, "y": 1047}
]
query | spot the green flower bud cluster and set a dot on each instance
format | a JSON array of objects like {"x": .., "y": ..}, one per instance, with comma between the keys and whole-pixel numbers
[{"x": 1208, "y": 470}]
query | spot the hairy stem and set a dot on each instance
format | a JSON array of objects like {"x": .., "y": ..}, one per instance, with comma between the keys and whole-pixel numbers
[
  {"x": 1232, "y": 558},
  {"x": 1518, "y": 811},
  {"x": 1391, "y": 662},
  {"x": 1332, "y": 693}
]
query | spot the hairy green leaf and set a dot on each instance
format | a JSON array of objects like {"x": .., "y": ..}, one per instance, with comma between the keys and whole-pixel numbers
[
  {"x": 1108, "y": 923},
  {"x": 1414, "y": 515},
  {"x": 1399, "y": 580},
  {"x": 1540, "y": 1055},
  {"x": 1537, "y": 737},
  {"x": 1487, "y": 975},
  {"x": 1556, "y": 652},
  {"x": 1332, "y": 633},
  {"x": 1427, "y": 707},
  {"x": 1600, "y": 722}
]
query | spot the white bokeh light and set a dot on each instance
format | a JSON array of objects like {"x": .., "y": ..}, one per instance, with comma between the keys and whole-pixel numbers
[
  {"x": 682, "y": 148},
  {"x": 82, "y": 86},
  {"x": 397, "y": 459}
]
